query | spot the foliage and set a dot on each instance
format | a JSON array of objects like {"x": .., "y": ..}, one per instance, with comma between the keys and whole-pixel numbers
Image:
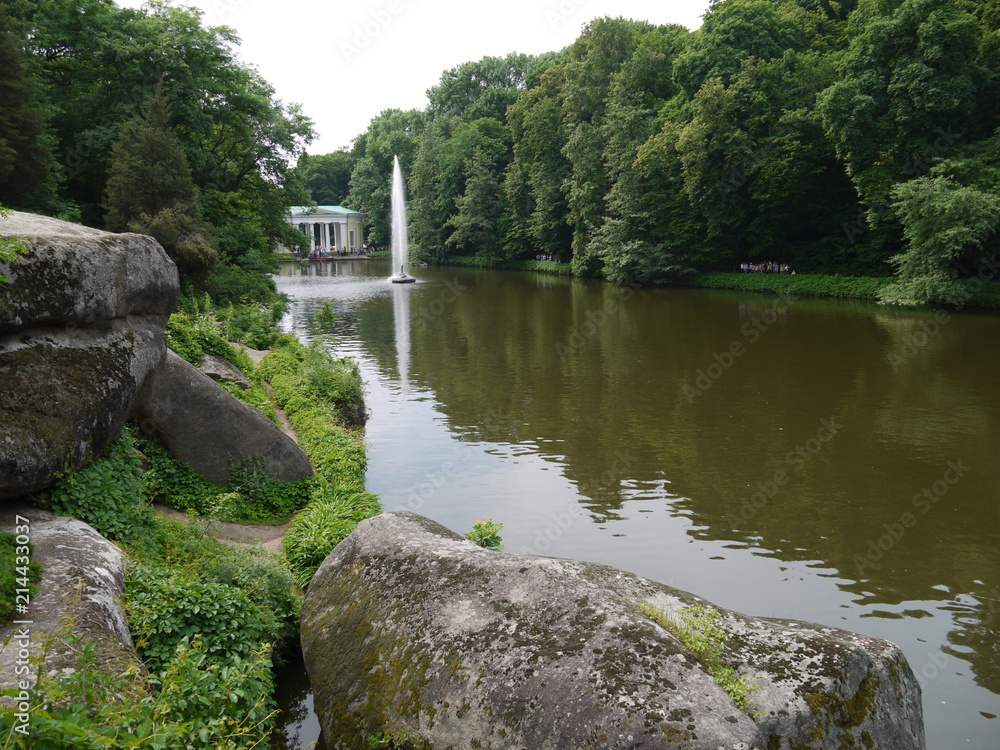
[
  {"x": 251, "y": 496},
  {"x": 322, "y": 525},
  {"x": 698, "y": 629},
  {"x": 947, "y": 226},
  {"x": 310, "y": 384},
  {"x": 806, "y": 285},
  {"x": 19, "y": 571},
  {"x": 486, "y": 534},
  {"x": 10, "y": 247},
  {"x": 150, "y": 189},
  {"x": 189, "y": 549},
  {"x": 98, "y": 64},
  {"x": 109, "y": 494},
  {"x": 327, "y": 177},
  {"x": 193, "y": 704},
  {"x": 25, "y": 157},
  {"x": 165, "y": 606}
]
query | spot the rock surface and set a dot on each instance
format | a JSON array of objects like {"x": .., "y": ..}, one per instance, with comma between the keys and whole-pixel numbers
[
  {"x": 81, "y": 593},
  {"x": 408, "y": 627},
  {"x": 204, "y": 426},
  {"x": 81, "y": 328},
  {"x": 223, "y": 371}
]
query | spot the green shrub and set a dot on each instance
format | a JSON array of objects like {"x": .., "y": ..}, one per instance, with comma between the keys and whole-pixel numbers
[
  {"x": 251, "y": 496},
  {"x": 227, "y": 284},
  {"x": 109, "y": 494},
  {"x": 194, "y": 336},
  {"x": 190, "y": 551},
  {"x": 194, "y": 703},
  {"x": 814, "y": 285},
  {"x": 165, "y": 606},
  {"x": 19, "y": 571},
  {"x": 325, "y": 523},
  {"x": 486, "y": 534},
  {"x": 251, "y": 325}
]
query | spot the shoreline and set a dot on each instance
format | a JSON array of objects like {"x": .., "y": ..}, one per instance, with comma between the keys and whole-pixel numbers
[{"x": 800, "y": 285}]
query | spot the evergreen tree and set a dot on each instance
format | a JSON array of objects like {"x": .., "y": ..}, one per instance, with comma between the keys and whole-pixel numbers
[
  {"x": 24, "y": 159},
  {"x": 150, "y": 189}
]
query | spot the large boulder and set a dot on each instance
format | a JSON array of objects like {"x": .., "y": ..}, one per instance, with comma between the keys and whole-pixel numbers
[
  {"x": 81, "y": 327},
  {"x": 81, "y": 594},
  {"x": 411, "y": 629},
  {"x": 204, "y": 426}
]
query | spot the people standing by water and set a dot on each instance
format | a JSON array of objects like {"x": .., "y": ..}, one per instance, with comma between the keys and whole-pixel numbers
[{"x": 767, "y": 266}]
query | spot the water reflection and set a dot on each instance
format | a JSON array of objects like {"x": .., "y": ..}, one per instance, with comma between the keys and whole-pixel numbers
[
  {"x": 761, "y": 452},
  {"x": 401, "y": 324}
]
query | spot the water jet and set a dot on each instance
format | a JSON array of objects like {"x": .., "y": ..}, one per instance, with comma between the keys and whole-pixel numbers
[{"x": 400, "y": 240}]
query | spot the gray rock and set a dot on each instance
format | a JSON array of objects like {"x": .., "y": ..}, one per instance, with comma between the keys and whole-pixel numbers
[
  {"x": 204, "y": 426},
  {"x": 81, "y": 328},
  {"x": 223, "y": 371},
  {"x": 408, "y": 627},
  {"x": 81, "y": 593}
]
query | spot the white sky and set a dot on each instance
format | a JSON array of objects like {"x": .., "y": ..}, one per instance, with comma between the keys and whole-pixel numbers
[{"x": 347, "y": 62}]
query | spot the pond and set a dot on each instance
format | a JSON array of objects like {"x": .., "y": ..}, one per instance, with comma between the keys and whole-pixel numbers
[{"x": 828, "y": 461}]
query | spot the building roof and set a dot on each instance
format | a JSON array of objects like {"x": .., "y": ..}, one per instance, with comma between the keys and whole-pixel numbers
[{"x": 321, "y": 211}]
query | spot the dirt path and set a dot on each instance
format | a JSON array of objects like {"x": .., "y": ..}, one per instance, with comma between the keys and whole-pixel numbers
[{"x": 235, "y": 533}]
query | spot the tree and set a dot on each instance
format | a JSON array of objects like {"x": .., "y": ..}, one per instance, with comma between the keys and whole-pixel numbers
[
  {"x": 327, "y": 177},
  {"x": 595, "y": 58},
  {"x": 476, "y": 225},
  {"x": 393, "y": 133},
  {"x": 907, "y": 92},
  {"x": 150, "y": 189},
  {"x": 946, "y": 226},
  {"x": 25, "y": 160}
]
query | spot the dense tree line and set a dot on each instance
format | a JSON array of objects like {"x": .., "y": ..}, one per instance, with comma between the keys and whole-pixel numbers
[
  {"x": 145, "y": 120},
  {"x": 851, "y": 138}
]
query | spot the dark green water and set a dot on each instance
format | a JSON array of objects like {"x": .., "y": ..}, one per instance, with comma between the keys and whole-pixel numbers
[{"x": 834, "y": 462}]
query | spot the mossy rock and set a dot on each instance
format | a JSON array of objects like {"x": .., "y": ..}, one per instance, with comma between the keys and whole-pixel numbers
[{"x": 410, "y": 629}]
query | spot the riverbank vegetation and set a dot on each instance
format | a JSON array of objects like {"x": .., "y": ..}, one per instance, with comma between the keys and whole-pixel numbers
[
  {"x": 856, "y": 139},
  {"x": 210, "y": 677}
]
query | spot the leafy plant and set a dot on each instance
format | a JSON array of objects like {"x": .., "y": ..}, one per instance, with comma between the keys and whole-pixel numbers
[
  {"x": 389, "y": 740},
  {"x": 16, "y": 572},
  {"x": 699, "y": 630},
  {"x": 325, "y": 317},
  {"x": 194, "y": 703},
  {"x": 189, "y": 550},
  {"x": 109, "y": 494},
  {"x": 486, "y": 534},
  {"x": 165, "y": 606},
  {"x": 322, "y": 525},
  {"x": 10, "y": 247}
]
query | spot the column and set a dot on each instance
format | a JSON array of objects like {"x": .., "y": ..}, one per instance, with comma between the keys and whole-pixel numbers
[{"x": 312, "y": 237}]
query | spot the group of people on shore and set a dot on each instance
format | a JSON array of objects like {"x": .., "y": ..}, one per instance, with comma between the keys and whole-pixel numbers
[
  {"x": 543, "y": 256},
  {"x": 765, "y": 267},
  {"x": 333, "y": 252}
]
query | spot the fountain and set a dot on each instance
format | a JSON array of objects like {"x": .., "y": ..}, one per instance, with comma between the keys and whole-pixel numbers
[{"x": 399, "y": 238}]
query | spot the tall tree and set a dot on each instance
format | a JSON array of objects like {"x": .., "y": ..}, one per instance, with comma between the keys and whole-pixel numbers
[
  {"x": 475, "y": 228},
  {"x": 327, "y": 177},
  {"x": 150, "y": 188},
  {"x": 25, "y": 161}
]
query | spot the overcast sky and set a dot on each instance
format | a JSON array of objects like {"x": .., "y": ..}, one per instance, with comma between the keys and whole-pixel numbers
[{"x": 345, "y": 62}]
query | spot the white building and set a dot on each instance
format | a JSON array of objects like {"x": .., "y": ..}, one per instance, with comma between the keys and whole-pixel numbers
[{"x": 329, "y": 227}]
